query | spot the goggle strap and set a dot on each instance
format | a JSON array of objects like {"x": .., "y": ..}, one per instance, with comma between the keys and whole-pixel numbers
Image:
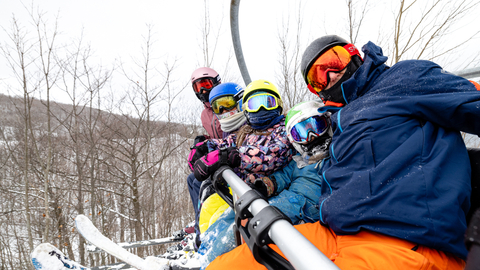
[
  {"x": 310, "y": 87},
  {"x": 239, "y": 95},
  {"x": 352, "y": 50},
  {"x": 216, "y": 80}
]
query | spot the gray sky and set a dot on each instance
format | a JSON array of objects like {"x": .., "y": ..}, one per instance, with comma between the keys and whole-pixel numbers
[{"x": 114, "y": 29}]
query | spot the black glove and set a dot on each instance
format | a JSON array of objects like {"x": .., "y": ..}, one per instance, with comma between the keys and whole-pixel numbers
[
  {"x": 197, "y": 151},
  {"x": 198, "y": 139},
  {"x": 208, "y": 164},
  {"x": 267, "y": 186}
]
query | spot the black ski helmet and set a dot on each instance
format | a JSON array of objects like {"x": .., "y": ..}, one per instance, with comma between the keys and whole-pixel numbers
[{"x": 317, "y": 48}]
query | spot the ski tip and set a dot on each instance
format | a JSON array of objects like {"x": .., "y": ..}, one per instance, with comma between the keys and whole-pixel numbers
[
  {"x": 47, "y": 257},
  {"x": 81, "y": 218},
  {"x": 81, "y": 222},
  {"x": 37, "y": 256},
  {"x": 43, "y": 247}
]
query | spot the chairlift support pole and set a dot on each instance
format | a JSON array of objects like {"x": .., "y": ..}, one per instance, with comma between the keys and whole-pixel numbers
[{"x": 237, "y": 46}]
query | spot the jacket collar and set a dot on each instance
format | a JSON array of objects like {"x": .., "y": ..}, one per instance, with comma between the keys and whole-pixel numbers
[
  {"x": 207, "y": 105},
  {"x": 372, "y": 67}
]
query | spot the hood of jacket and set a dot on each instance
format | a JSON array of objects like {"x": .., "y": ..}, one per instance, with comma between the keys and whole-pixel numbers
[{"x": 373, "y": 66}]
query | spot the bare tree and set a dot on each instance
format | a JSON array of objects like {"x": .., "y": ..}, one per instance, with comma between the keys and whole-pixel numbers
[
  {"x": 420, "y": 35},
  {"x": 18, "y": 59},
  {"x": 357, "y": 12},
  {"x": 82, "y": 83},
  {"x": 210, "y": 41},
  {"x": 46, "y": 47},
  {"x": 289, "y": 78},
  {"x": 135, "y": 155}
]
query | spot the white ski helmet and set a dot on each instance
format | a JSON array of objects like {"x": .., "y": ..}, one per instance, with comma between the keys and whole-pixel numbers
[{"x": 301, "y": 112}]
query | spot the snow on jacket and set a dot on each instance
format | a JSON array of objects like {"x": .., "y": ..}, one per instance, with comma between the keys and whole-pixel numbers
[
  {"x": 210, "y": 122},
  {"x": 398, "y": 163},
  {"x": 262, "y": 153}
]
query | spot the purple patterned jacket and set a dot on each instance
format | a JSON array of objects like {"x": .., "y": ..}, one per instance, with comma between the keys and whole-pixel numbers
[{"x": 262, "y": 152}]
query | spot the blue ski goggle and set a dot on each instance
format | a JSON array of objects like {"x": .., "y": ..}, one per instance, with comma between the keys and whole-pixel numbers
[
  {"x": 309, "y": 129},
  {"x": 265, "y": 100}
]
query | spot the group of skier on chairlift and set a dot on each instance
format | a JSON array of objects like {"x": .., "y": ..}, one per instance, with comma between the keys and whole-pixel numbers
[{"x": 372, "y": 170}]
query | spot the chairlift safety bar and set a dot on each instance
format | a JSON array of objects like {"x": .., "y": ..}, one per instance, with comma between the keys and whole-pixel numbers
[{"x": 301, "y": 253}]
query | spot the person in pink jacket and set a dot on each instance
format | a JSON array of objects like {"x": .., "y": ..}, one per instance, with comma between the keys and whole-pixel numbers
[{"x": 203, "y": 80}]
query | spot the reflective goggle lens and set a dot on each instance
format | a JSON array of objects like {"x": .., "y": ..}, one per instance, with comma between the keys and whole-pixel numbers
[
  {"x": 335, "y": 59},
  {"x": 254, "y": 103},
  {"x": 302, "y": 132},
  {"x": 206, "y": 83},
  {"x": 223, "y": 103}
]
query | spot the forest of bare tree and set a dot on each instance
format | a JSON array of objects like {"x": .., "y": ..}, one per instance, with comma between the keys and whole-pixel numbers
[
  {"x": 119, "y": 157},
  {"x": 122, "y": 167}
]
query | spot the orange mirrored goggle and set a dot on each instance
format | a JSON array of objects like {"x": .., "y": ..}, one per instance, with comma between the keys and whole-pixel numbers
[{"x": 333, "y": 60}]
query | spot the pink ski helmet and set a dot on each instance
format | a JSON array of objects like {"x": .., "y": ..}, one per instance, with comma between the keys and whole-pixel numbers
[{"x": 203, "y": 80}]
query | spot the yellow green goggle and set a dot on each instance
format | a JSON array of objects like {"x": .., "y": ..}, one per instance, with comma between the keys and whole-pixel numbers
[
  {"x": 265, "y": 100},
  {"x": 223, "y": 103}
]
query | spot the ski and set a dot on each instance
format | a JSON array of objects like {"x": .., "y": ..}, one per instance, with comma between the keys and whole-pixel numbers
[
  {"x": 144, "y": 243},
  {"x": 95, "y": 237},
  {"x": 47, "y": 257}
]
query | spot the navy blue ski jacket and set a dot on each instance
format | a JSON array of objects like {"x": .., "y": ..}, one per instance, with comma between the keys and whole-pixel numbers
[{"x": 398, "y": 163}]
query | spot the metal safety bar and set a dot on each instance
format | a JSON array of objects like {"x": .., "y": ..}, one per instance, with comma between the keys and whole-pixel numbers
[
  {"x": 468, "y": 73},
  {"x": 301, "y": 253}
]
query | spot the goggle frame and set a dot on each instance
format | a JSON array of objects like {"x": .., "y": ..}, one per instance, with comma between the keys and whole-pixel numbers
[
  {"x": 198, "y": 84},
  {"x": 306, "y": 135},
  {"x": 221, "y": 107},
  {"x": 313, "y": 78},
  {"x": 247, "y": 108}
]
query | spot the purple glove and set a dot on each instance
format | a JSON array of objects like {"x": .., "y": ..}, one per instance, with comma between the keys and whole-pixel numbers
[
  {"x": 197, "y": 151},
  {"x": 208, "y": 164}
]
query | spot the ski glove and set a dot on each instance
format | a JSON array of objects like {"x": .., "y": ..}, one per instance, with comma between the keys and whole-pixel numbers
[
  {"x": 199, "y": 138},
  {"x": 267, "y": 186},
  {"x": 208, "y": 164},
  {"x": 198, "y": 150}
]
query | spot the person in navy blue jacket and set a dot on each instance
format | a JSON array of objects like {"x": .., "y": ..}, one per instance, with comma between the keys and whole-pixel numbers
[{"x": 396, "y": 188}]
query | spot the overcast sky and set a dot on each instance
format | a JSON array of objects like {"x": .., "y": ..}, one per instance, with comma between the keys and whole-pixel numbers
[{"x": 114, "y": 29}]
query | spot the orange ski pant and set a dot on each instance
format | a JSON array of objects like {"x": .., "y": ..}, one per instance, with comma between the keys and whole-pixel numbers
[{"x": 365, "y": 250}]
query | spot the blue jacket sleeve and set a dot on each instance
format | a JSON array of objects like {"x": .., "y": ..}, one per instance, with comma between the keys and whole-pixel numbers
[
  {"x": 284, "y": 176},
  {"x": 299, "y": 192},
  {"x": 436, "y": 96}
]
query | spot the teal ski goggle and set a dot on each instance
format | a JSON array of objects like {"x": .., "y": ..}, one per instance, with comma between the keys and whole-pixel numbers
[
  {"x": 309, "y": 129},
  {"x": 265, "y": 100}
]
